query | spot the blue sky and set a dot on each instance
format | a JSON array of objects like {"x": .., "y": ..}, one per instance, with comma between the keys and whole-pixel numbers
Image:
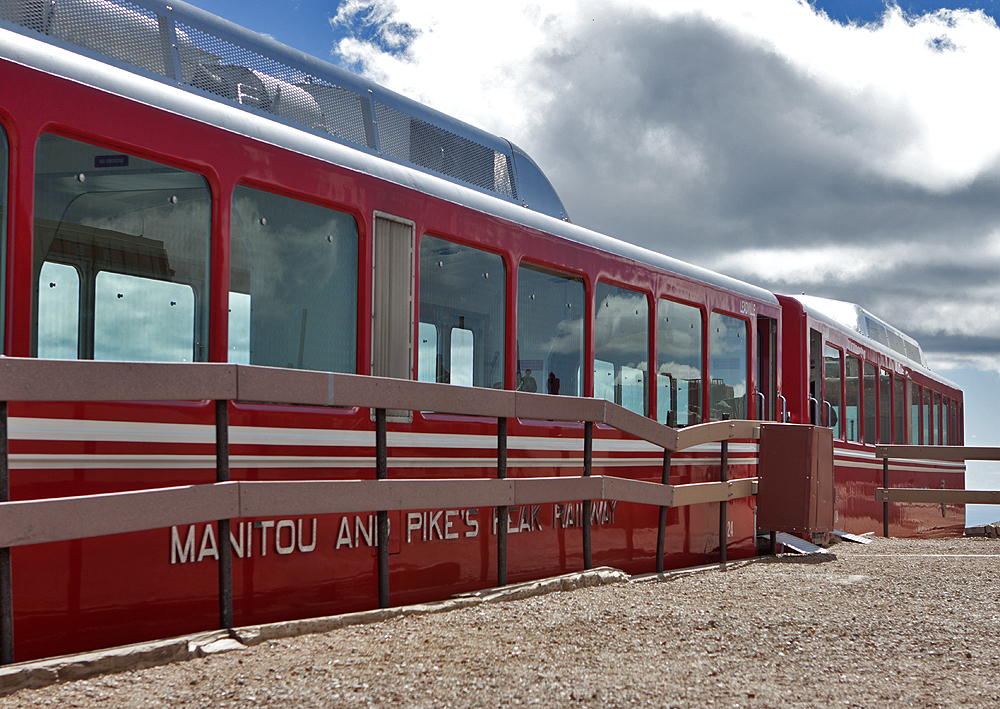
[{"x": 844, "y": 149}]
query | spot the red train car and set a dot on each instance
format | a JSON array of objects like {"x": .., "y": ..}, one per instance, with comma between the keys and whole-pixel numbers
[
  {"x": 847, "y": 369},
  {"x": 178, "y": 189}
]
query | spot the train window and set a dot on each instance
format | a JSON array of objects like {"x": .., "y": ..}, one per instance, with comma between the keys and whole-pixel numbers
[
  {"x": 678, "y": 364},
  {"x": 4, "y": 161},
  {"x": 59, "y": 311},
  {"x": 293, "y": 283},
  {"x": 852, "y": 399},
  {"x": 426, "y": 352},
  {"x": 928, "y": 434},
  {"x": 137, "y": 233},
  {"x": 728, "y": 370},
  {"x": 936, "y": 416},
  {"x": 621, "y": 347},
  {"x": 831, "y": 389},
  {"x": 899, "y": 410},
  {"x": 122, "y": 303},
  {"x": 550, "y": 320},
  {"x": 871, "y": 397},
  {"x": 946, "y": 422},
  {"x": 462, "y": 361},
  {"x": 885, "y": 407},
  {"x": 462, "y": 306},
  {"x": 914, "y": 409}
]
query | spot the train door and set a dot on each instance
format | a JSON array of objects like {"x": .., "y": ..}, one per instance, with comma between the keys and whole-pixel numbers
[
  {"x": 767, "y": 369},
  {"x": 392, "y": 301}
]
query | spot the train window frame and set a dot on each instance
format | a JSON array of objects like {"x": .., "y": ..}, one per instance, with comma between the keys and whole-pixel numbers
[
  {"x": 914, "y": 431},
  {"x": 836, "y": 409},
  {"x": 884, "y": 405},
  {"x": 870, "y": 399},
  {"x": 604, "y": 291},
  {"x": 716, "y": 404},
  {"x": 936, "y": 418},
  {"x": 695, "y": 414},
  {"x": 524, "y": 381},
  {"x": 898, "y": 409},
  {"x": 926, "y": 403},
  {"x": 147, "y": 217},
  {"x": 945, "y": 420},
  {"x": 479, "y": 307},
  {"x": 853, "y": 426}
]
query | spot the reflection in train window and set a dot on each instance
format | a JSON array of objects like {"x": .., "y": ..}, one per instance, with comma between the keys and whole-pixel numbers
[
  {"x": 124, "y": 304},
  {"x": 946, "y": 422},
  {"x": 426, "y": 352},
  {"x": 728, "y": 367},
  {"x": 899, "y": 410},
  {"x": 852, "y": 396},
  {"x": 678, "y": 364},
  {"x": 936, "y": 417},
  {"x": 462, "y": 305},
  {"x": 871, "y": 411},
  {"x": 885, "y": 407},
  {"x": 550, "y": 314},
  {"x": 621, "y": 347},
  {"x": 58, "y": 311},
  {"x": 914, "y": 409},
  {"x": 4, "y": 155},
  {"x": 928, "y": 438},
  {"x": 831, "y": 389},
  {"x": 295, "y": 264},
  {"x": 128, "y": 227}
]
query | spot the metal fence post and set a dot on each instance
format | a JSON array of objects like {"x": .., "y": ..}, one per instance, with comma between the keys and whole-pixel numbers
[
  {"x": 661, "y": 531},
  {"x": 722, "y": 505},
  {"x": 501, "y": 511},
  {"x": 885, "y": 504},
  {"x": 225, "y": 551},
  {"x": 382, "y": 518},
  {"x": 588, "y": 468},
  {"x": 6, "y": 592}
]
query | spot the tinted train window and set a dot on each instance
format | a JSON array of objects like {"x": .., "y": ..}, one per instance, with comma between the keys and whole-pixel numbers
[
  {"x": 852, "y": 399},
  {"x": 121, "y": 256},
  {"x": 946, "y": 422},
  {"x": 928, "y": 439},
  {"x": 728, "y": 367},
  {"x": 550, "y": 313},
  {"x": 914, "y": 409},
  {"x": 621, "y": 347},
  {"x": 871, "y": 410},
  {"x": 885, "y": 407},
  {"x": 936, "y": 418},
  {"x": 899, "y": 410},
  {"x": 293, "y": 284},
  {"x": 4, "y": 161},
  {"x": 462, "y": 299},
  {"x": 678, "y": 364},
  {"x": 831, "y": 389}
]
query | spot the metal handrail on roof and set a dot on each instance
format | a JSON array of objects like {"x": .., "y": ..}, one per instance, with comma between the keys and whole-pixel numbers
[{"x": 187, "y": 48}]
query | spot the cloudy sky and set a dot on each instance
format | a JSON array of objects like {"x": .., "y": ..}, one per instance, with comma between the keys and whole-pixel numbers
[{"x": 846, "y": 149}]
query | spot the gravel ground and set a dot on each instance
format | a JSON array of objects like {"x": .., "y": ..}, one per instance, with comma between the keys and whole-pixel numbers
[{"x": 898, "y": 623}]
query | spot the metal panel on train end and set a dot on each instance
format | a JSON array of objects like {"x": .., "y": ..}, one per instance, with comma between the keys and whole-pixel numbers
[{"x": 795, "y": 491}]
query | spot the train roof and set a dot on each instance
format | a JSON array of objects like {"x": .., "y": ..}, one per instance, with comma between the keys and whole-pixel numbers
[
  {"x": 191, "y": 63},
  {"x": 879, "y": 334}
]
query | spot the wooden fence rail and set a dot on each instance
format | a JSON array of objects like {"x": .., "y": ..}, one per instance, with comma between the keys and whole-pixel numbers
[
  {"x": 47, "y": 520},
  {"x": 886, "y": 494}
]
